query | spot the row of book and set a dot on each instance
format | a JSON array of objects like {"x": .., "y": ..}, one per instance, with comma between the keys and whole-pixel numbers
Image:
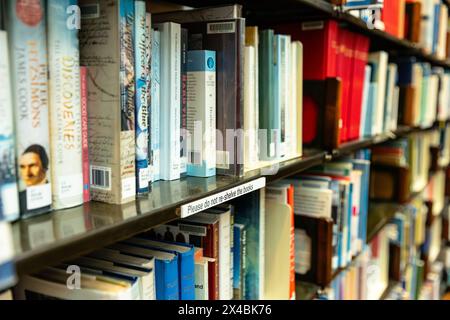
[
  {"x": 407, "y": 251},
  {"x": 424, "y": 22}
]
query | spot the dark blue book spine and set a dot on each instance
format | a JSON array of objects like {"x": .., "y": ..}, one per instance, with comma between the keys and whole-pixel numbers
[
  {"x": 167, "y": 286},
  {"x": 187, "y": 271},
  {"x": 237, "y": 258}
]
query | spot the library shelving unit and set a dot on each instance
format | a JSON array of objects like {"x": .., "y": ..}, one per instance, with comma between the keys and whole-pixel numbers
[{"x": 60, "y": 235}]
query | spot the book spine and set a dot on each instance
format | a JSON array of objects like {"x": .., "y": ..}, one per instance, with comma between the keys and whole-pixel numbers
[
  {"x": 201, "y": 112},
  {"x": 283, "y": 93},
  {"x": 250, "y": 150},
  {"x": 237, "y": 269},
  {"x": 28, "y": 51},
  {"x": 148, "y": 81},
  {"x": 170, "y": 100},
  {"x": 64, "y": 106},
  {"x": 9, "y": 201},
  {"x": 141, "y": 107},
  {"x": 167, "y": 280},
  {"x": 84, "y": 134},
  {"x": 183, "y": 108},
  {"x": 201, "y": 281},
  {"x": 187, "y": 276},
  {"x": 155, "y": 106},
  {"x": 7, "y": 272},
  {"x": 111, "y": 91}
]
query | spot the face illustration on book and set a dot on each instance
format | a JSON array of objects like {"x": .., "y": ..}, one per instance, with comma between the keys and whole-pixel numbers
[
  {"x": 33, "y": 164},
  {"x": 30, "y": 12}
]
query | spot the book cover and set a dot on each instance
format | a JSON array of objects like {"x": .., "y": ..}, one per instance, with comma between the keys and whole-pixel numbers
[
  {"x": 85, "y": 133},
  {"x": 141, "y": 43},
  {"x": 250, "y": 212},
  {"x": 28, "y": 51},
  {"x": 64, "y": 106},
  {"x": 155, "y": 106},
  {"x": 251, "y": 98},
  {"x": 201, "y": 112},
  {"x": 111, "y": 91},
  {"x": 170, "y": 99},
  {"x": 9, "y": 201},
  {"x": 379, "y": 61}
]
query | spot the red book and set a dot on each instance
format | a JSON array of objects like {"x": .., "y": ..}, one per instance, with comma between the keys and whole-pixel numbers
[
  {"x": 290, "y": 201},
  {"x": 360, "y": 57},
  {"x": 320, "y": 50},
  {"x": 392, "y": 16},
  {"x": 84, "y": 134},
  {"x": 320, "y": 44},
  {"x": 344, "y": 71}
]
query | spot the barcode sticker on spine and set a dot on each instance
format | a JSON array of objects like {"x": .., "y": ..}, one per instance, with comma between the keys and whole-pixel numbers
[
  {"x": 101, "y": 178},
  {"x": 221, "y": 27}
]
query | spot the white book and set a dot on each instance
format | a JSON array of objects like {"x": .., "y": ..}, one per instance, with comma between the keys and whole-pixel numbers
[
  {"x": 262, "y": 245},
  {"x": 432, "y": 100},
  {"x": 312, "y": 201},
  {"x": 390, "y": 87},
  {"x": 296, "y": 98},
  {"x": 53, "y": 283},
  {"x": 442, "y": 35},
  {"x": 170, "y": 68},
  {"x": 250, "y": 110},
  {"x": 28, "y": 56},
  {"x": 201, "y": 278},
  {"x": 155, "y": 108},
  {"x": 9, "y": 201},
  {"x": 417, "y": 80},
  {"x": 64, "y": 107},
  {"x": 283, "y": 93},
  {"x": 395, "y": 103},
  {"x": 365, "y": 101},
  {"x": 201, "y": 113},
  {"x": 225, "y": 288},
  {"x": 444, "y": 94},
  {"x": 146, "y": 278},
  {"x": 355, "y": 243},
  {"x": 380, "y": 62}
]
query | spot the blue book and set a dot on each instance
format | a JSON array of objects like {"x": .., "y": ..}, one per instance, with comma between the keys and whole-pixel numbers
[
  {"x": 364, "y": 166},
  {"x": 239, "y": 240},
  {"x": 155, "y": 106},
  {"x": 436, "y": 20},
  {"x": 141, "y": 109},
  {"x": 406, "y": 70},
  {"x": 166, "y": 269},
  {"x": 250, "y": 213},
  {"x": 349, "y": 229},
  {"x": 185, "y": 253}
]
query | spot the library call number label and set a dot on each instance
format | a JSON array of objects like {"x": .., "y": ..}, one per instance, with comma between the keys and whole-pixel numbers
[{"x": 226, "y": 309}]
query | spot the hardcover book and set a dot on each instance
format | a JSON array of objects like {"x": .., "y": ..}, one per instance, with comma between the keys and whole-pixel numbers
[
  {"x": 28, "y": 52},
  {"x": 111, "y": 90},
  {"x": 64, "y": 106},
  {"x": 9, "y": 201}
]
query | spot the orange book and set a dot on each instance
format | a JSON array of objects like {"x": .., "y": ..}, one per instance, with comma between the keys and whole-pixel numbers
[{"x": 290, "y": 201}]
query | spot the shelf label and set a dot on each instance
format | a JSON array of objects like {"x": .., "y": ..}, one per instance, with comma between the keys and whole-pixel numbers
[{"x": 221, "y": 197}]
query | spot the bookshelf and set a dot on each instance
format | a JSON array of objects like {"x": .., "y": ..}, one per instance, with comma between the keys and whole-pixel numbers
[
  {"x": 55, "y": 237},
  {"x": 99, "y": 224}
]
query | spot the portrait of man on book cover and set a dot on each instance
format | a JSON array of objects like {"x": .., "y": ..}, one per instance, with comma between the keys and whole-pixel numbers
[{"x": 33, "y": 165}]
